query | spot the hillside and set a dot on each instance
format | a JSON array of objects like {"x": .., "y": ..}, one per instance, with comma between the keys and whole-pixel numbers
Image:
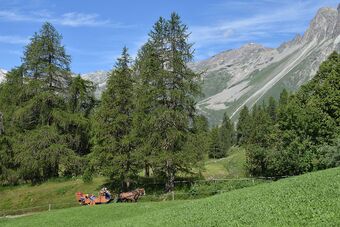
[
  {"x": 60, "y": 192},
  {"x": 310, "y": 199},
  {"x": 248, "y": 75},
  {"x": 2, "y": 74},
  {"x": 229, "y": 167}
]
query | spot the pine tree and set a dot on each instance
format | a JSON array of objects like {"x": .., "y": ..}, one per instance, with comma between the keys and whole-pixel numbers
[
  {"x": 215, "y": 149},
  {"x": 148, "y": 89},
  {"x": 45, "y": 59},
  {"x": 272, "y": 109},
  {"x": 46, "y": 138},
  {"x": 226, "y": 134},
  {"x": 81, "y": 96},
  {"x": 284, "y": 97},
  {"x": 244, "y": 125},
  {"x": 172, "y": 86},
  {"x": 113, "y": 124}
]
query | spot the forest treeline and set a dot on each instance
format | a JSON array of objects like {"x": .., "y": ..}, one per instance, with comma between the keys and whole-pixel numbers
[
  {"x": 52, "y": 125},
  {"x": 300, "y": 132}
]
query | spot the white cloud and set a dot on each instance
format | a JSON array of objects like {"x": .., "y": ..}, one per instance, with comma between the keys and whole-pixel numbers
[
  {"x": 75, "y": 19},
  {"x": 9, "y": 39},
  {"x": 287, "y": 17},
  {"x": 72, "y": 19}
]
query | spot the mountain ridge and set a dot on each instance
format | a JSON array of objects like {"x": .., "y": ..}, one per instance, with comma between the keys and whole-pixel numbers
[{"x": 289, "y": 66}]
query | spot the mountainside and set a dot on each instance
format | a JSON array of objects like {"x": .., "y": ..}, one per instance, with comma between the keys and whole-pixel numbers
[
  {"x": 253, "y": 72},
  {"x": 99, "y": 79},
  {"x": 2, "y": 75}
]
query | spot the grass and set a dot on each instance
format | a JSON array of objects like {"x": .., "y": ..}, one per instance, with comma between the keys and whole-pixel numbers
[
  {"x": 61, "y": 192},
  {"x": 229, "y": 167},
  {"x": 312, "y": 199}
]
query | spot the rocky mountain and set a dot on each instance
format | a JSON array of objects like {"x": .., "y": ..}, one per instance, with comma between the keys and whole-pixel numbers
[
  {"x": 250, "y": 74},
  {"x": 2, "y": 75},
  {"x": 99, "y": 79}
]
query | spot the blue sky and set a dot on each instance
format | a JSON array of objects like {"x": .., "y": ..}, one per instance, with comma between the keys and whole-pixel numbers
[{"x": 95, "y": 31}]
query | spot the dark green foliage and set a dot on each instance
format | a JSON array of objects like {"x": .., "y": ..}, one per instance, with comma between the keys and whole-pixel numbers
[
  {"x": 244, "y": 126},
  {"x": 46, "y": 125},
  {"x": 166, "y": 93},
  {"x": 215, "y": 148},
  {"x": 272, "y": 109},
  {"x": 80, "y": 95},
  {"x": 41, "y": 154},
  {"x": 88, "y": 175},
  {"x": 299, "y": 135},
  {"x": 222, "y": 139},
  {"x": 113, "y": 124},
  {"x": 226, "y": 134},
  {"x": 45, "y": 58}
]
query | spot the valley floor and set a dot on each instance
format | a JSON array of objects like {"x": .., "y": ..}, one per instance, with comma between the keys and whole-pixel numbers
[{"x": 310, "y": 199}]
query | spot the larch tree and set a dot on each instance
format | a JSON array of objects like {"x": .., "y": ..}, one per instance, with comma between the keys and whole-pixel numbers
[
  {"x": 112, "y": 125},
  {"x": 47, "y": 138},
  {"x": 226, "y": 134},
  {"x": 175, "y": 86},
  {"x": 46, "y": 59},
  {"x": 244, "y": 125}
]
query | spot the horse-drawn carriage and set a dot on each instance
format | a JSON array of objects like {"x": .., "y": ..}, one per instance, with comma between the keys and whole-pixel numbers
[
  {"x": 106, "y": 197},
  {"x": 90, "y": 199}
]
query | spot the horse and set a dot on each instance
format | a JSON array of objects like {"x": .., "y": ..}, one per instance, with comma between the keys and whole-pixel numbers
[{"x": 131, "y": 196}]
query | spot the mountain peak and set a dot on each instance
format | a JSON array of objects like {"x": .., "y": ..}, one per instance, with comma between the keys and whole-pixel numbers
[
  {"x": 323, "y": 24},
  {"x": 252, "y": 46}
]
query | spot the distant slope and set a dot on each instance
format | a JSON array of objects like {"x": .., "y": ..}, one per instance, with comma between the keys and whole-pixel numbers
[
  {"x": 99, "y": 79},
  {"x": 2, "y": 75},
  {"x": 229, "y": 167},
  {"x": 254, "y": 72},
  {"x": 307, "y": 200}
]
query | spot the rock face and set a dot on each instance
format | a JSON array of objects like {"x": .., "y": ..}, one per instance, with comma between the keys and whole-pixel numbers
[
  {"x": 2, "y": 75},
  {"x": 99, "y": 79},
  {"x": 252, "y": 73}
]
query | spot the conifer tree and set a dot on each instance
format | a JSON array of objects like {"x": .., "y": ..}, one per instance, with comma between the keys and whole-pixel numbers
[
  {"x": 226, "y": 134},
  {"x": 244, "y": 125},
  {"x": 284, "y": 97},
  {"x": 113, "y": 124},
  {"x": 80, "y": 96},
  {"x": 272, "y": 109},
  {"x": 46, "y": 137},
  {"x": 45, "y": 59},
  {"x": 173, "y": 86},
  {"x": 215, "y": 148}
]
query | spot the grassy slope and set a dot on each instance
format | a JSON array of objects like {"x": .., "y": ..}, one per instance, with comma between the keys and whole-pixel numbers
[
  {"x": 62, "y": 193},
  {"x": 231, "y": 166},
  {"x": 310, "y": 199},
  {"x": 54, "y": 192}
]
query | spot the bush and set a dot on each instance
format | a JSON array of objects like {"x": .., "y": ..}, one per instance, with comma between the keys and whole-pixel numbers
[{"x": 88, "y": 176}]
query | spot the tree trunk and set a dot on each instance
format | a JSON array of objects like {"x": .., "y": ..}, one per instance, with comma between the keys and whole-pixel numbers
[
  {"x": 147, "y": 169},
  {"x": 2, "y": 130},
  {"x": 170, "y": 177}
]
